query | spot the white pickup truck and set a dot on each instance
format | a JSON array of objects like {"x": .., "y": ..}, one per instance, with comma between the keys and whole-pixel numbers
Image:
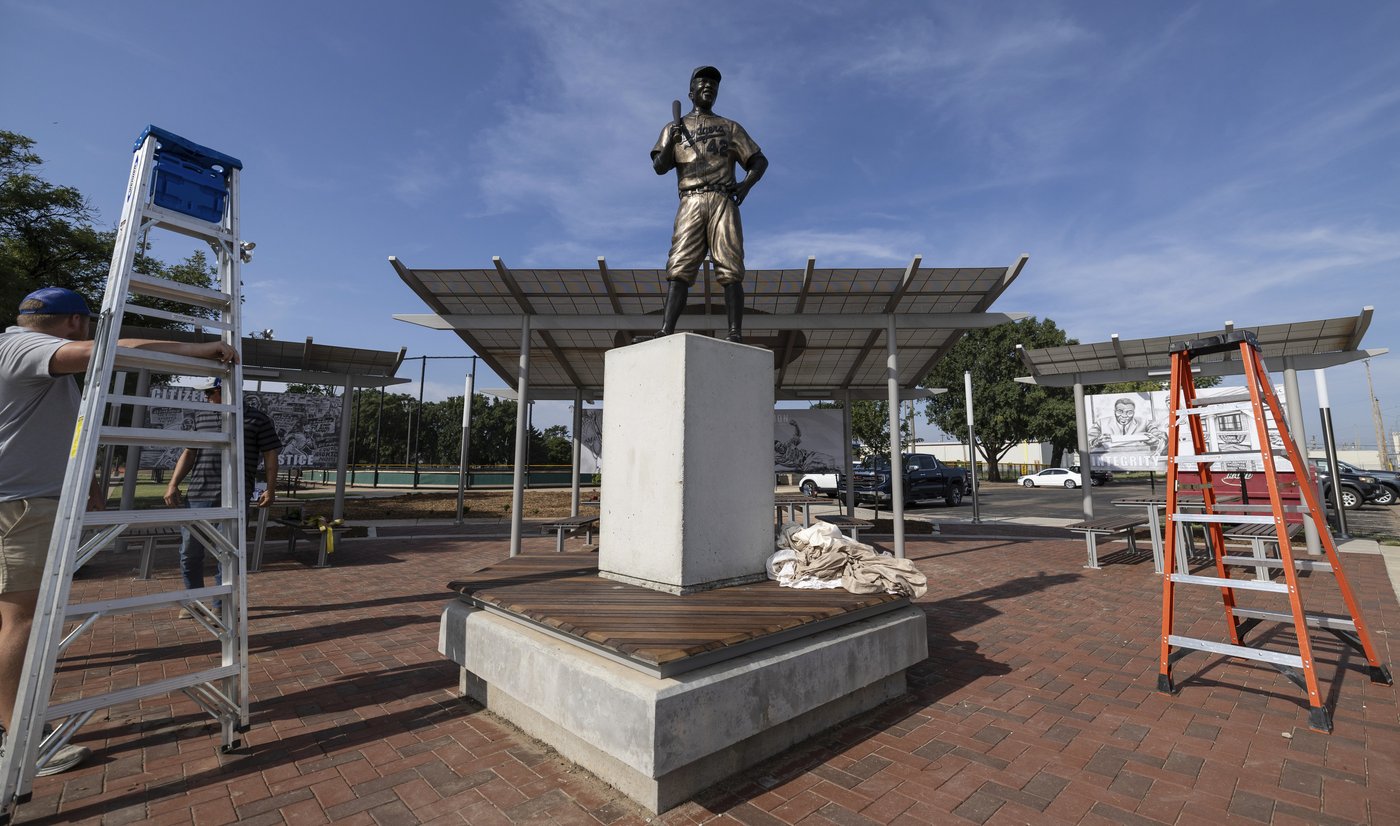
[{"x": 813, "y": 484}]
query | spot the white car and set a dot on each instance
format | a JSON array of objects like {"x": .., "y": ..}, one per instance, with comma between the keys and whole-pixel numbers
[{"x": 1051, "y": 477}]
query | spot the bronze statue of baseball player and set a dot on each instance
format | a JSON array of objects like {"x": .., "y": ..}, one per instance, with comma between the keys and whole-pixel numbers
[{"x": 703, "y": 148}]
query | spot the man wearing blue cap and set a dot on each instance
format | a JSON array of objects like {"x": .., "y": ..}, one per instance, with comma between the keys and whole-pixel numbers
[
  {"x": 703, "y": 148},
  {"x": 39, "y": 400}
]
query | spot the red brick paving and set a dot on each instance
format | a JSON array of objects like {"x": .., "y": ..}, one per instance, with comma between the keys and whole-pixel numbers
[{"x": 1037, "y": 705}]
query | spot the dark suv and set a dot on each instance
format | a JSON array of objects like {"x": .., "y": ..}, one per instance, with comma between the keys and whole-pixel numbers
[
  {"x": 1096, "y": 477},
  {"x": 1354, "y": 488},
  {"x": 1388, "y": 480}
]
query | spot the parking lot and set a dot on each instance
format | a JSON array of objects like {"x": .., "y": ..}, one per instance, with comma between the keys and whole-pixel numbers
[{"x": 1009, "y": 503}]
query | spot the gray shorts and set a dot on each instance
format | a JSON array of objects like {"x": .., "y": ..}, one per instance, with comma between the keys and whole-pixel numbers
[{"x": 26, "y": 526}]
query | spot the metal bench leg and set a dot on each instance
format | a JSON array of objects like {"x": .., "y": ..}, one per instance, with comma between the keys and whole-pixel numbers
[
  {"x": 1132, "y": 541},
  {"x": 559, "y": 540},
  {"x": 1257, "y": 545},
  {"x": 259, "y": 534},
  {"x": 321, "y": 557},
  {"x": 1092, "y": 541},
  {"x": 148, "y": 546}
]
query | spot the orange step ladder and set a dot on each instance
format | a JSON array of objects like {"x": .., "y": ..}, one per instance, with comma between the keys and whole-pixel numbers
[{"x": 1187, "y": 411}]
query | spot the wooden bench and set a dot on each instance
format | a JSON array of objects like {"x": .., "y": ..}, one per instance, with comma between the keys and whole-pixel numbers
[
  {"x": 1258, "y": 535},
  {"x": 851, "y": 524},
  {"x": 572, "y": 526},
  {"x": 1109, "y": 526},
  {"x": 312, "y": 531}
]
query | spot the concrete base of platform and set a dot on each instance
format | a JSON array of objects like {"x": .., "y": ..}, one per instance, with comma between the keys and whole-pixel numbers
[{"x": 661, "y": 740}]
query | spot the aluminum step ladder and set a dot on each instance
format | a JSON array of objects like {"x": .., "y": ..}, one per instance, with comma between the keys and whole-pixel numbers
[
  {"x": 1205, "y": 507},
  {"x": 177, "y": 186}
]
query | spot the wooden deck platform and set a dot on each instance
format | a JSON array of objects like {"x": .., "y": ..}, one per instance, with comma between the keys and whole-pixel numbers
[{"x": 661, "y": 634}]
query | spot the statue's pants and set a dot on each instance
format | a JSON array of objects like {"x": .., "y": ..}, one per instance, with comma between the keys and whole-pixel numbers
[{"x": 707, "y": 222}]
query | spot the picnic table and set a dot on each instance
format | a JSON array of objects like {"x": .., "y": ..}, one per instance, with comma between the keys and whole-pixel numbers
[
  {"x": 791, "y": 501},
  {"x": 852, "y": 524},
  {"x": 1109, "y": 526},
  {"x": 572, "y": 526}
]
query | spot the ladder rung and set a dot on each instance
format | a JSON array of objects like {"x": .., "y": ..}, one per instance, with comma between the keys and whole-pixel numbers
[
  {"x": 133, "y": 358},
  {"x": 157, "y": 287},
  {"x": 1210, "y": 401},
  {"x": 1225, "y": 518},
  {"x": 183, "y": 404},
  {"x": 60, "y": 710},
  {"x": 1267, "y": 562},
  {"x": 160, "y": 437},
  {"x": 1315, "y": 620},
  {"x": 1212, "y": 458},
  {"x": 1226, "y": 582},
  {"x": 132, "y": 605},
  {"x": 158, "y": 516},
  {"x": 184, "y": 224},
  {"x": 194, "y": 321},
  {"x": 1277, "y": 657}
]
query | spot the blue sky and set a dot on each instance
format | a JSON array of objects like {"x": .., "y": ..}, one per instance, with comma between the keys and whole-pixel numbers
[{"x": 1167, "y": 166}]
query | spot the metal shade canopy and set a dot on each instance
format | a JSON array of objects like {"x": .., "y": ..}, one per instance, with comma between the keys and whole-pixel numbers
[
  {"x": 826, "y": 327},
  {"x": 1303, "y": 345}
]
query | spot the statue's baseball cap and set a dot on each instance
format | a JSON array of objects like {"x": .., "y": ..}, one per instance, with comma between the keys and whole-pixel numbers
[
  {"x": 54, "y": 301},
  {"x": 705, "y": 71}
]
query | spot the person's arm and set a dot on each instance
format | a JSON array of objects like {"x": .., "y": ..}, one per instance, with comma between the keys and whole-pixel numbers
[
  {"x": 757, "y": 165},
  {"x": 182, "y": 468},
  {"x": 270, "y": 465},
  {"x": 663, "y": 156},
  {"x": 74, "y": 356}
]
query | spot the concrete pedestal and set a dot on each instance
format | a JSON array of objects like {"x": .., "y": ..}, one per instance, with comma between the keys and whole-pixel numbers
[
  {"x": 661, "y": 740},
  {"x": 687, "y": 495}
]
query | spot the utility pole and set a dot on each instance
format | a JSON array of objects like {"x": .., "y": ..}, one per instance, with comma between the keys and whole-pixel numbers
[{"x": 1382, "y": 448}]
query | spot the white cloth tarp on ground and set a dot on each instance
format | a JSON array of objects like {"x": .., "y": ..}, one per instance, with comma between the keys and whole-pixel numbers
[{"x": 820, "y": 556}]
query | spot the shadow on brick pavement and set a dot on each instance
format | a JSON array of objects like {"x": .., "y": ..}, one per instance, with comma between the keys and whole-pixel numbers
[{"x": 1037, "y": 704}]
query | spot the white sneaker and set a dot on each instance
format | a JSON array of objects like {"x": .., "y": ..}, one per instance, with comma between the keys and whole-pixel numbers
[
  {"x": 184, "y": 613},
  {"x": 64, "y": 759}
]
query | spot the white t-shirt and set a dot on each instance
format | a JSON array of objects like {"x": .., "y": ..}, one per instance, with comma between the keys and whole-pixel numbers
[{"x": 37, "y": 415}]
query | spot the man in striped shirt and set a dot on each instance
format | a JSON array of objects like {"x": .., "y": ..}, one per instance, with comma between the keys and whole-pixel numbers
[{"x": 205, "y": 470}]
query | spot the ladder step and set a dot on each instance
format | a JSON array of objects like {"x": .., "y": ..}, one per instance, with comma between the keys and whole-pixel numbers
[
  {"x": 1315, "y": 620},
  {"x": 183, "y": 404},
  {"x": 184, "y": 224},
  {"x": 132, "y": 605},
  {"x": 170, "y": 685},
  {"x": 130, "y": 358},
  {"x": 1212, "y": 401},
  {"x": 1268, "y": 562},
  {"x": 1276, "y": 657},
  {"x": 1226, "y": 582},
  {"x": 1223, "y": 518},
  {"x": 158, "y": 516},
  {"x": 160, "y": 437},
  {"x": 157, "y": 287},
  {"x": 194, "y": 321},
  {"x": 1212, "y": 458}
]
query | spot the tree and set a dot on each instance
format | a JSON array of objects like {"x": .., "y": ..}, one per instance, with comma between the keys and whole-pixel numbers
[
  {"x": 1006, "y": 411},
  {"x": 47, "y": 238}
]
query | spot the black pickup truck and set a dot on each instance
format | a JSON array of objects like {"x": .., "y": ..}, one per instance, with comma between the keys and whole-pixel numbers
[{"x": 924, "y": 478}]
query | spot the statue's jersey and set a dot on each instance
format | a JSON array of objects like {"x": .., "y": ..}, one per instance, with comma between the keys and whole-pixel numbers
[{"x": 720, "y": 143}]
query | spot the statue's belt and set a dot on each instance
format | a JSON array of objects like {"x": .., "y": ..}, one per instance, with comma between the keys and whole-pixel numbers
[{"x": 727, "y": 189}]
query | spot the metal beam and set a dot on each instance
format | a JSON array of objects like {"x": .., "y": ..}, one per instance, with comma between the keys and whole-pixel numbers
[
  {"x": 1007, "y": 278},
  {"x": 1363, "y": 322},
  {"x": 699, "y": 323},
  {"x": 529, "y": 309},
  {"x": 1314, "y": 361},
  {"x": 790, "y": 335},
  {"x": 419, "y": 289}
]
